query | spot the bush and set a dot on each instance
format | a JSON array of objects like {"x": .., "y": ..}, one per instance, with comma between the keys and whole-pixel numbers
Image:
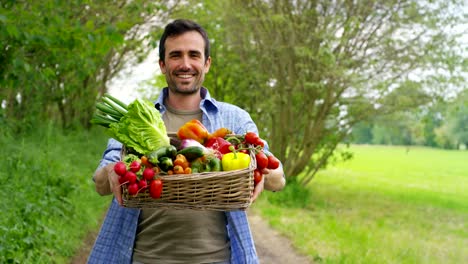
[
  {"x": 293, "y": 195},
  {"x": 48, "y": 198}
]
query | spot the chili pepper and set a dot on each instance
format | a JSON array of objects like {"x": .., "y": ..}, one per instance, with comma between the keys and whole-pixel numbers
[
  {"x": 235, "y": 161},
  {"x": 193, "y": 129},
  {"x": 219, "y": 144}
]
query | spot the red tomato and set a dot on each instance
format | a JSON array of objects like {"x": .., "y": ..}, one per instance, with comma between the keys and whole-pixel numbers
[
  {"x": 251, "y": 138},
  {"x": 155, "y": 188},
  {"x": 273, "y": 162},
  {"x": 257, "y": 176},
  {"x": 262, "y": 160},
  {"x": 259, "y": 142}
]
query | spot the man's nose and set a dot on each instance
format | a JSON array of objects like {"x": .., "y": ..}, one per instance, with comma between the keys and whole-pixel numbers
[{"x": 185, "y": 62}]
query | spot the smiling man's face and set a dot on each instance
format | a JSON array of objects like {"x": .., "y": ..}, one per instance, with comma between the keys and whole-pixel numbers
[{"x": 185, "y": 65}]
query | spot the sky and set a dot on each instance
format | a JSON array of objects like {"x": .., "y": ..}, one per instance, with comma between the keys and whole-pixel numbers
[{"x": 125, "y": 85}]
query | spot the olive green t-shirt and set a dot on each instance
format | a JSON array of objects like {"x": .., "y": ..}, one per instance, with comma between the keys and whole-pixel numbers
[{"x": 181, "y": 236}]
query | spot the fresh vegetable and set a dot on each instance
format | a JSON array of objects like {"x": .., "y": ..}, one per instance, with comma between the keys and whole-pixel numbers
[
  {"x": 197, "y": 165},
  {"x": 219, "y": 145},
  {"x": 148, "y": 174},
  {"x": 120, "y": 168},
  {"x": 257, "y": 176},
  {"x": 155, "y": 188},
  {"x": 138, "y": 126},
  {"x": 182, "y": 161},
  {"x": 188, "y": 142},
  {"x": 135, "y": 166},
  {"x": 131, "y": 177},
  {"x": 192, "y": 152},
  {"x": 213, "y": 164},
  {"x": 166, "y": 151},
  {"x": 165, "y": 163},
  {"x": 273, "y": 162},
  {"x": 235, "y": 161},
  {"x": 145, "y": 162},
  {"x": 221, "y": 132},
  {"x": 193, "y": 129},
  {"x": 133, "y": 188},
  {"x": 178, "y": 169},
  {"x": 142, "y": 185},
  {"x": 262, "y": 160}
]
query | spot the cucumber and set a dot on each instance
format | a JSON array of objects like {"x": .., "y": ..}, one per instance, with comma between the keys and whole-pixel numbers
[{"x": 192, "y": 152}]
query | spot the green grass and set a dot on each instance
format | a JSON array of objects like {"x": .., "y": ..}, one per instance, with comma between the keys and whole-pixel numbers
[
  {"x": 48, "y": 198},
  {"x": 386, "y": 205}
]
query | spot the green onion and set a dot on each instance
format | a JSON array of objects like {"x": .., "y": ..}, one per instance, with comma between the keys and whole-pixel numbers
[{"x": 109, "y": 110}]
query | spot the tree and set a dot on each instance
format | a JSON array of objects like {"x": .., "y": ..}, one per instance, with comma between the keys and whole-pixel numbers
[
  {"x": 57, "y": 56},
  {"x": 310, "y": 70}
]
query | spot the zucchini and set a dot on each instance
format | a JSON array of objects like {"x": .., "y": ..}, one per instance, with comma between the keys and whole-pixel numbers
[
  {"x": 165, "y": 163},
  {"x": 167, "y": 151},
  {"x": 192, "y": 152}
]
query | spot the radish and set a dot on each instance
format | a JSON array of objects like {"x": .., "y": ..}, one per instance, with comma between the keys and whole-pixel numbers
[
  {"x": 142, "y": 185},
  {"x": 120, "y": 168},
  {"x": 131, "y": 177},
  {"x": 133, "y": 188},
  {"x": 135, "y": 166},
  {"x": 122, "y": 180},
  {"x": 148, "y": 174}
]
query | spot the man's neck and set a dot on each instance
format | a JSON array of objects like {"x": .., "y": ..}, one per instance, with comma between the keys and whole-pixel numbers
[{"x": 184, "y": 102}]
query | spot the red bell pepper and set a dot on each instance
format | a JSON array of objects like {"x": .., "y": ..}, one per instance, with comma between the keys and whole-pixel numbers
[{"x": 219, "y": 144}]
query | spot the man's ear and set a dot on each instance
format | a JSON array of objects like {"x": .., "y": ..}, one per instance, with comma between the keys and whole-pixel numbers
[
  {"x": 162, "y": 66},
  {"x": 207, "y": 64}
]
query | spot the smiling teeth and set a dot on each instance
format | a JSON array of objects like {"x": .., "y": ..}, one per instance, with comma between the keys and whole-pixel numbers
[{"x": 185, "y": 76}]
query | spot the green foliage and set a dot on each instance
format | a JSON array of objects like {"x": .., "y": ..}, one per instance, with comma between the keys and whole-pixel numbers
[
  {"x": 57, "y": 56},
  {"x": 49, "y": 202},
  {"x": 292, "y": 196},
  {"x": 308, "y": 71}
]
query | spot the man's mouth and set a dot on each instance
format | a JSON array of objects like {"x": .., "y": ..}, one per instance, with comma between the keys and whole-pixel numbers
[{"x": 185, "y": 76}]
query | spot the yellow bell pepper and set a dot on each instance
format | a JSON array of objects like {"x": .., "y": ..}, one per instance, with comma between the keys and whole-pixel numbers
[{"x": 235, "y": 161}]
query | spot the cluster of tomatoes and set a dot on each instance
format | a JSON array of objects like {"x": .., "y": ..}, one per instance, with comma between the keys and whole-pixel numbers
[
  {"x": 264, "y": 161},
  {"x": 138, "y": 178}
]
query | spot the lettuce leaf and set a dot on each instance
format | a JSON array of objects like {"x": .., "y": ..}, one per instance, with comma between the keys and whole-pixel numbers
[{"x": 141, "y": 128}]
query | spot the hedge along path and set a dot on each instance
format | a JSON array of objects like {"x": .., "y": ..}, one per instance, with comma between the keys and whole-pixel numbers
[{"x": 271, "y": 246}]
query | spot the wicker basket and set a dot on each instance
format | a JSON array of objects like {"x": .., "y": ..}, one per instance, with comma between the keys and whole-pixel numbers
[{"x": 218, "y": 191}]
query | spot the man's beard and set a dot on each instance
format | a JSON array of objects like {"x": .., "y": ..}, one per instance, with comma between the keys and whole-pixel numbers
[{"x": 190, "y": 91}]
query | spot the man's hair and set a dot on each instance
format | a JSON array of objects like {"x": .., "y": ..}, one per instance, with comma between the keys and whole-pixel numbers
[{"x": 179, "y": 27}]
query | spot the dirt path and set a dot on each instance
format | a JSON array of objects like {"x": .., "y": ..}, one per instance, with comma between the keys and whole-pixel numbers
[{"x": 271, "y": 246}]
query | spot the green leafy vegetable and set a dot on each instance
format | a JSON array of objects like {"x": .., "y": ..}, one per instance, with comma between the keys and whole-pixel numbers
[
  {"x": 141, "y": 128},
  {"x": 138, "y": 126}
]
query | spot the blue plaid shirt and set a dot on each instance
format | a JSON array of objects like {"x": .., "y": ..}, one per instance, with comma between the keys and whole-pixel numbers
[{"x": 115, "y": 241}]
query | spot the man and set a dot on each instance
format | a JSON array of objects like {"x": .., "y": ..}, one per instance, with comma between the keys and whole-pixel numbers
[{"x": 179, "y": 236}]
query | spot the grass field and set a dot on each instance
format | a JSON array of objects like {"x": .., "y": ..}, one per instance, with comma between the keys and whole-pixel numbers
[{"x": 387, "y": 205}]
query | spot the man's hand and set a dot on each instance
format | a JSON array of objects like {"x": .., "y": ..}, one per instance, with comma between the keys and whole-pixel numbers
[
  {"x": 274, "y": 180},
  {"x": 258, "y": 189},
  {"x": 107, "y": 182}
]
